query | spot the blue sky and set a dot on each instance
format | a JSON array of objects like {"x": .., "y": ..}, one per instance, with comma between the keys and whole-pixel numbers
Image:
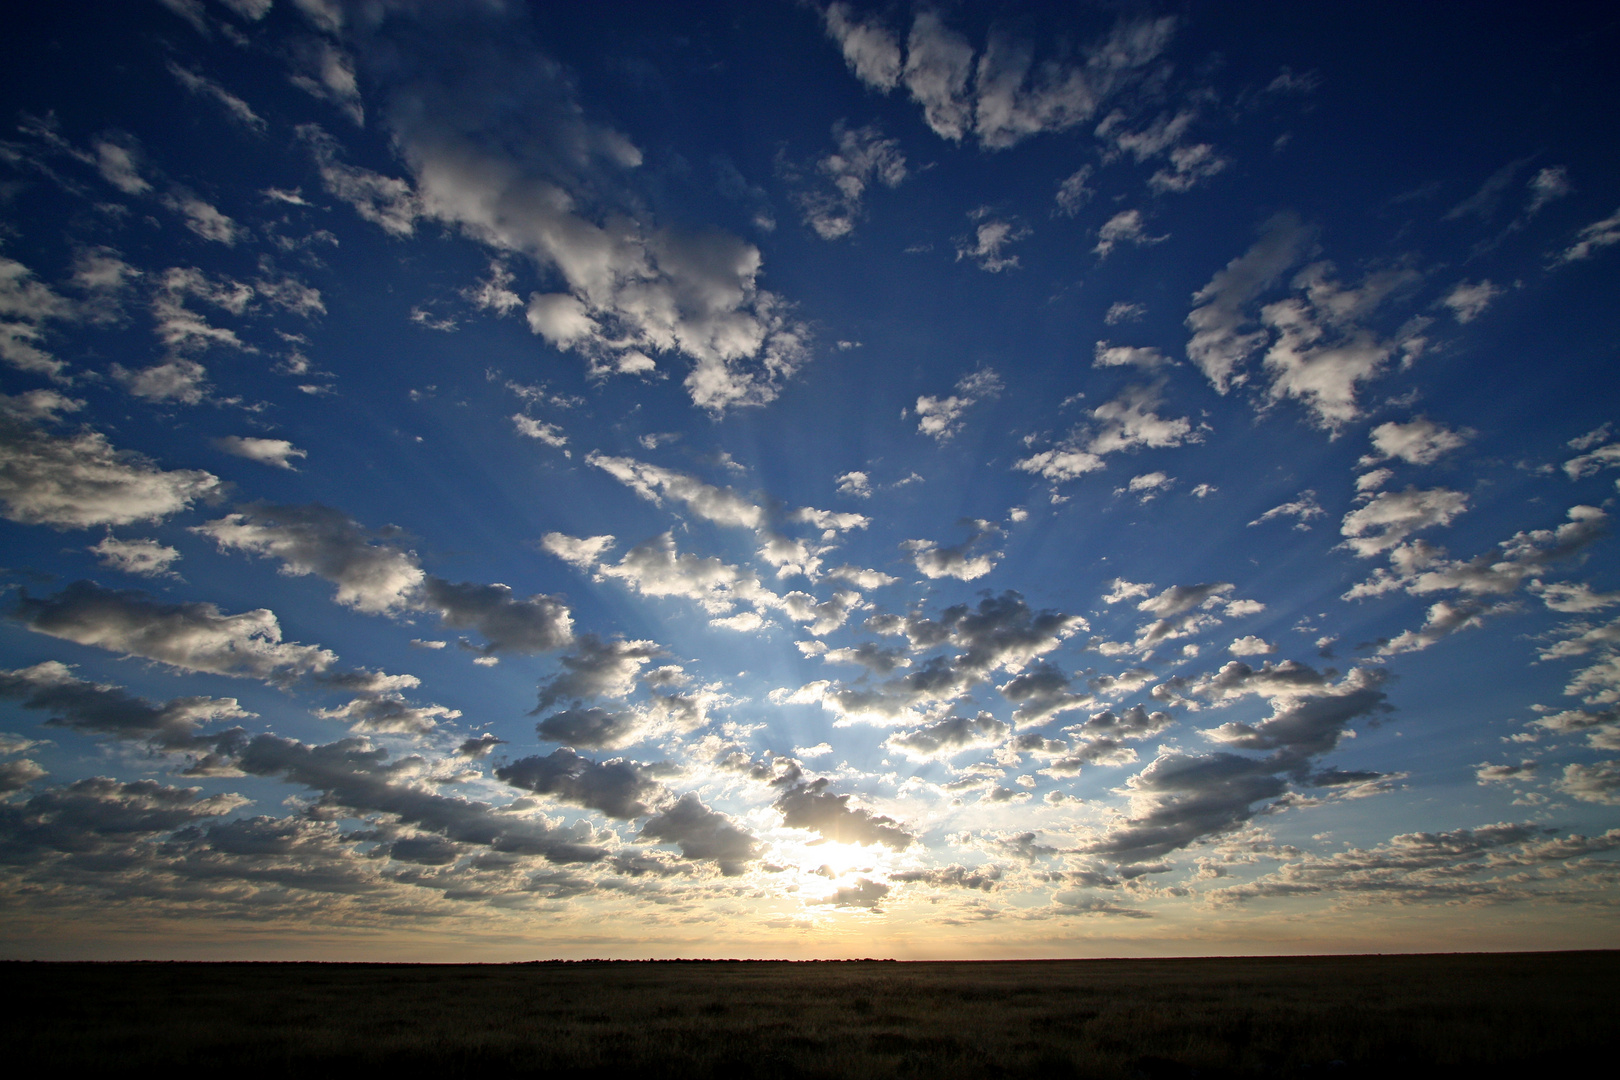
[{"x": 494, "y": 481}]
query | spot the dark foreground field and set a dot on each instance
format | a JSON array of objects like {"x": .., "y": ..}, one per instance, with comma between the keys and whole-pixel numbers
[{"x": 1457, "y": 1015}]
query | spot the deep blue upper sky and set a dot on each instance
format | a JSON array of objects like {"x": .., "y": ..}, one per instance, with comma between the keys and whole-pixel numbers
[{"x": 992, "y": 480}]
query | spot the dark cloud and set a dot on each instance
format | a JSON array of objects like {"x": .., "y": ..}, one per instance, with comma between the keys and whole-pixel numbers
[
  {"x": 534, "y": 624},
  {"x": 865, "y": 893},
  {"x": 949, "y": 736},
  {"x": 190, "y": 636},
  {"x": 110, "y": 710},
  {"x": 618, "y": 788},
  {"x": 986, "y": 878},
  {"x": 353, "y": 774},
  {"x": 811, "y": 806},
  {"x": 597, "y": 668},
  {"x": 703, "y": 833}
]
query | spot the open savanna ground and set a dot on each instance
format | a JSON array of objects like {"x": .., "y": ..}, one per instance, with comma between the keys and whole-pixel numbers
[{"x": 1463, "y": 1015}]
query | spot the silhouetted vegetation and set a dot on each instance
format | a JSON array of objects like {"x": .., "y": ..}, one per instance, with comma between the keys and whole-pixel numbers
[{"x": 1452, "y": 1015}]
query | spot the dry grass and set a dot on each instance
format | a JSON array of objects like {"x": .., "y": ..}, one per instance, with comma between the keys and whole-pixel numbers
[{"x": 1462, "y": 1015}]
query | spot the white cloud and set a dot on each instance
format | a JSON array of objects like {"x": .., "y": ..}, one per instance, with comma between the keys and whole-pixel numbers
[
  {"x": 1468, "y": 302},
  {"x": 26, "y": 305},
  {"x": 1417, "y": 442},
  {"x": 81, "y": 480},
  {"x": 655, "y": 483},
  {"x": 988, "y": 239},
  {"x": 863, "y": 157},
  {"x": 205, "y": 219},
  {"x": 1072, "y": 193},
  {"x": 326, "y": 72},
  {"x": 1127, "y": 423},
  {"x": 277, "y": 452},
  {"x": 189, "y": 636},
  {"x": 1599, "y": 234},
  {"x": 1189, "y": 166},
  {"x": 856, "y": 483},
  {"x": 546, "y": 432},
  {"x": 1220, "y": 343},
  {"x": 371, "y": 573},
  {"x": 1390, "y": 517},
  {"x": 143, "y": 558},
  {"x": 1303, "y": 510},
  {"x": 1548, "y": 185},
  {"x": 941, "y": 417},
  {"x": 234, "y": 107},
  {"x": 1148, "y": 359},
  {"x": 1251, "y": 645},
  {"x": 1321, "y": 352},
  {"x": 870, "y": 50},
  {"x": 1124, "y": 311},
  {"x": 1123, "y": 227}
]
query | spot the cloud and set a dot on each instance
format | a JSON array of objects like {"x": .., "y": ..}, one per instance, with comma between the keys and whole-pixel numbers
[
  {"x": 580, "y": 552},
  {"x": 372, "y": 574},
  {"x": 1390, "y": 517},
  {"x": 1124, "y": 311},
  {"x": 375, "y": 575},
  {"x": 1123, "y": 227},
  {"x": 189, "y": 636},
  {"x": 204, "y": 219},
  {"x": 655, "y": 568},
  {"x": 104, "y": 709},
  {"x": 934, "y": 561},
  {"x": 1548, "y": 185},
  {"x": 1599, "y": 234},
  {"x": 1127, "y": 423},
  {"x": 1041, "y": 691},
  {"x": 1303, "y": 510},
  {"x": 509, "y": 623},
  {"x": 949, "y": 737},
  {"x": 26, "y": 305},
  {"x": 1468, "y": 302},
  {"x": 389, "y": 714},
  {"x": 598, "y": 668},
  {"x": 856, "y": 484},
  {"x": 870, "y": 50},
  {"x": 1072, "y": 193},
  {"x": 1251, "y": 645},
  {"x": 1484, "y": 202},
  {"x": 1418, "y": 442},
  {"x": 1220, "y": 340},
  {"x": 1189, "y": 166},
  {"x": 1593, "y": 462},
  {"x": 1147, "y": 486},
  {"x": 702, "y": 833},
  {"x": 654, "y": 483},
  {"x": 811, "y": 806},
  {"x": 989, "y": 237},
  {"x": 1005, "y": 97},
  {"x": 618, "y": 788},
  {"x": 202, "y": 86},
  {"x": 863, "y": 157},
  {"x": 143, "y": 558},
  {"x": 326, "y": 72},
  {"x": 1148, "y": 359},
  {"x": 532, "y": 176},
  {"x": 277, "y": 452},
  {"x": 548, "y": 433},
  {"x": 355, "y": 774},
  {"x": 941, "y": 417},
  {"x": 81, "y": 480}
]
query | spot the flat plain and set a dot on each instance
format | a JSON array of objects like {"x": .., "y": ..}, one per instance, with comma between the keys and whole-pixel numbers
[{"x": 1411, "y": 1015}]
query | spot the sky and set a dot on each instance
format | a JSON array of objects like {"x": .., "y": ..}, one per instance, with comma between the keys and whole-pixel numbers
[{"x": 501, "y": 481}]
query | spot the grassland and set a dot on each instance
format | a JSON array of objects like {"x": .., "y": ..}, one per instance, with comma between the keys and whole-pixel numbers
[{"x": 1452, "y": 1015}]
